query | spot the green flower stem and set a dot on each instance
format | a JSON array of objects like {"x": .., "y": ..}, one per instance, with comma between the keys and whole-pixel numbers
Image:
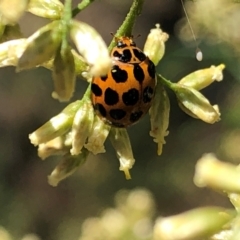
[
  {"x": 165, "y": 82},
  {"x": 86, "y": 95},
  {"x": 128, "y": 23},
  {"x": 81, "y": 6},
  {"x": 125, "y": 29},
  {"x": 67, "y": 16}
]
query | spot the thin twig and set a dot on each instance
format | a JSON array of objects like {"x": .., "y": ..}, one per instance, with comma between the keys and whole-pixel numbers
[{"x": 81, "y": 6}]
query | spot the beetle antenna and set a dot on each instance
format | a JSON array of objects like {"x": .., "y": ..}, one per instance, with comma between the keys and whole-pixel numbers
[{"x": 199, "y": 54}]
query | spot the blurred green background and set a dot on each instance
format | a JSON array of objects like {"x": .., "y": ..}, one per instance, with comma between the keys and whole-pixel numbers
[{"x": 29, "y": 205}]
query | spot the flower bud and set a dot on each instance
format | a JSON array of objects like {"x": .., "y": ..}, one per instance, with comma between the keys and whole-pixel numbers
[
  {"x": 195, "y": 104},
  {"x": 159, "y": 116},
  {"x": 120, "y": 141},
  {"x": 210, "y": 172},
  {"x": 47, "y": 9},
  {"x": 140, "y": 203},
  {"x": 56, "y": 126},
  {"x": 67, "y": 167},
  {"x": 112, "y": 223},
  {"x": 11, "y": 51},
  {"x": 203, "y": 78},
  {"x": 63, "y": 75},
  {"x": 82, "y": 126},
  {"x": 194, "y": 224},
  {"x": 154, "y": 47},
  {"x": 41, "y": 46},
  {"x": 12, "y": 10},
  {"x": 92, "y": 47},
  {"x": 98, "y": 136}
]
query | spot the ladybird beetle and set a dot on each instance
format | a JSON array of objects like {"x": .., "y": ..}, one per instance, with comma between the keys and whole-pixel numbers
[{"x": 125, "y": 94}]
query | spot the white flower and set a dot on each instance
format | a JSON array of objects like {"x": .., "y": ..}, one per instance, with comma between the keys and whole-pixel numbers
[
  {"x": 120, "y": 141},
  {"x": 154, "y": 47},
  {"x": 92, "y": 47},
  {"x": 97, "y": 137},
  {"x": 159, "y": 116},
  {"x": 82, "y": 126},
  {"x": 203, "y": 77}
]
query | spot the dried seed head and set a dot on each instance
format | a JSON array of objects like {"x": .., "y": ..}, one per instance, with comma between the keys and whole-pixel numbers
[
  {"x": 63, "y": 75},
  {"x": 154, "y": 47},
  {"x": 41, "y": 46},
  {"x": 195, "y": 104},
  {"x": 159, "y": 116},
  {"x": 92, "y": 47},
  {"x": 204, "y": 77},
  {"x": 120, "y": 141},
  {"x": 47, "y": 9}
]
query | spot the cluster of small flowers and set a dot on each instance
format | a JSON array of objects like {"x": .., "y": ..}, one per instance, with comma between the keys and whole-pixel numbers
[
  {"x": 130, "y": 218},
  {"x": 213, "y": 223},
  {"x": 133, "y": 216},
  {"x": 76, "y": 131},
  {"x": 133, "y": 212},
  {"x": 46, "y": 47}
]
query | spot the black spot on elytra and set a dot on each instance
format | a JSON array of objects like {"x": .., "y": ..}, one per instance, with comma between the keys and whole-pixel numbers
[
  {"x": 96, "y": 90},
  {"x": 139, "y": 54},
  {"x": 136, "y": 116},
  {"x": 110, "y": 97},
  {"x": 117, "y": 114},
  {"x": 131, "y": 97},
  {"x": 104, "y": 78},
  {"x": 151, "y": 69},
  {"x": 124, "y": 57},
  {"x": 138, "y": 73},
  {"x": 147, "y": 94},
  {"x": 100, "y": 108},
  {"x": 119, "y": 75},
  {"x": 116, "y": 54}
]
